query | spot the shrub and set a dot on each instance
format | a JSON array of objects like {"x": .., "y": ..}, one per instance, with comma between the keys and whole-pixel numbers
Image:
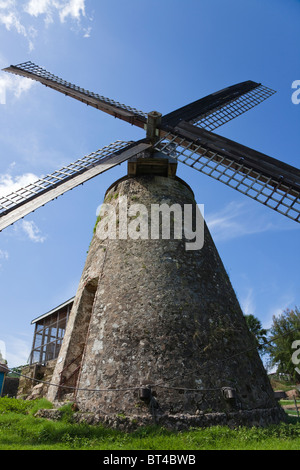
[{"x": 14, "y": 405}]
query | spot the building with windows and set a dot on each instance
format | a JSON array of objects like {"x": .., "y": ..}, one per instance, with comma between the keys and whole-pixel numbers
[{"x": 49, "y": 333}]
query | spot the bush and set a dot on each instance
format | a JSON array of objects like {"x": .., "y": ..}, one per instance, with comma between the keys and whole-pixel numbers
[{"x": 14, "y": 405}]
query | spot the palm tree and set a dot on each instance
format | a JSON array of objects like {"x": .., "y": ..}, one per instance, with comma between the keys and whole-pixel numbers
[{"x": 258, "y": 332}]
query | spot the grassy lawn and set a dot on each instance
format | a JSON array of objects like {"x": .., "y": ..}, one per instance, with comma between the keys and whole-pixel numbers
[{"x": 20, "y": 430}]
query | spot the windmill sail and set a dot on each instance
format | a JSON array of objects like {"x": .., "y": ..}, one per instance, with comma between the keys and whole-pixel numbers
[
  {"x": 26, "y": 200},
  {"x": 116, "y": 109},
  {"x": 264, "y": 179},
  {"x": 186, "y": 134},
  {"x": 216, "y": 109}
]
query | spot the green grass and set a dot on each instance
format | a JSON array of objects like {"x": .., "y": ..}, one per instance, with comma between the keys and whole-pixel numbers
[
  {"x": 289, "y": 402},
  {"x": 21, "y": 430}
]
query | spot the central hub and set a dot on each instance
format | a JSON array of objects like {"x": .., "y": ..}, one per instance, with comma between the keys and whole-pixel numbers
[
  {"x": 148, "y": 163},
  {"x": 153, "y": 121}
]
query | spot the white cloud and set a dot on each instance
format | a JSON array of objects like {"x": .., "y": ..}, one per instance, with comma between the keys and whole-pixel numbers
[
  {"x": 283, "y": 303},
  {"x": 241, "y": 219},
  {"x": 16, "y": 349},
  {"x": 15, "y": 16},
  {"x": 8, "y": 184},
  {"x": 3, "y": 256},
  {"x": 14, "y": 84},
  {"x": 64, "y": 9},
  {"x": 73, "y": 8},
  {"x": 38, "y": 7},
  {"x": 2, "y": 351},
  {"x": 32, "y": 231},
  {"x": 10, "y": 18},
  {"x": 87, "y": 33},
  {"x": 247, "y": 303},
  {"x": 231, "y": 222}
]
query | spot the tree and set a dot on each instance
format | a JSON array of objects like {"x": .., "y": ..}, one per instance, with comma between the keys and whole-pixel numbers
[
  {"x": 283, "y": 332},
  {"x": 258, "y": 332}
]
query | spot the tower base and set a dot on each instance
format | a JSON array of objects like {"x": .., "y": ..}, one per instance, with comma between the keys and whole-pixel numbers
[
  {"x": 176, "y": 422},
  {"x": 156, "y": 333}
]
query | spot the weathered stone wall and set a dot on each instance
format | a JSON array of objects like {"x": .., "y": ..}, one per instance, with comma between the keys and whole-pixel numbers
[
  {"x": 150, "y": 312},
  {"x": 30, "y": 386}
]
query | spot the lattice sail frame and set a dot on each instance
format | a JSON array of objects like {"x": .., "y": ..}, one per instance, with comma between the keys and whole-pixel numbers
[
  {"x": 50, "y": 181},
  {"x": 29, "y": 198},
  {"x": 236, "y": 107},
  {"x": 266, "y": 190},
  {"x": 120, "y": 110}
]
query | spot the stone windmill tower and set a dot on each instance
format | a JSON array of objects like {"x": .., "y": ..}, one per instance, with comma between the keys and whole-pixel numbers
[{"x": 156, "y": 328}]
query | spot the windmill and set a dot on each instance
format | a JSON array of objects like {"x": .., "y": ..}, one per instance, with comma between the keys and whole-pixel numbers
[
  {"x": 186, "y": 133},
  {"x": 153, "y": 325}
]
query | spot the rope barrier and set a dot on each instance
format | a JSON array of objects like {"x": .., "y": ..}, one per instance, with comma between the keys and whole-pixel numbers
[{"x": 159, "y": 384}]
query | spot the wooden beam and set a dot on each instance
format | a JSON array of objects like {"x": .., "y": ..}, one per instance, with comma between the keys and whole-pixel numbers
[
  {"x": 270, "y": 167},
  {"x": 83, "y": 96},
  {"x": 34, "y": 202}
]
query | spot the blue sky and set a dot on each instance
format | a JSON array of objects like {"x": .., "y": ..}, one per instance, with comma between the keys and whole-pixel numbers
[{"x": 152, "y": 55}]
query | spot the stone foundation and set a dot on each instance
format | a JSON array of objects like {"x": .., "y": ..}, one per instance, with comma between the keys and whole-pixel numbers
[
  {"x": 29, "y": 388},
  {"x": 176, "y": 422}
]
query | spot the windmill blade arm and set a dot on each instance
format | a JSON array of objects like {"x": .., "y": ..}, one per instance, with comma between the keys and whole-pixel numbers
[
  {"x": 26, "y": 200},
  {"x": 114, "y": 108},
  {"x": 270, "y": 167},
  {"x": 265, "y": 179},
  {"x": 216, "y": 109}
]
